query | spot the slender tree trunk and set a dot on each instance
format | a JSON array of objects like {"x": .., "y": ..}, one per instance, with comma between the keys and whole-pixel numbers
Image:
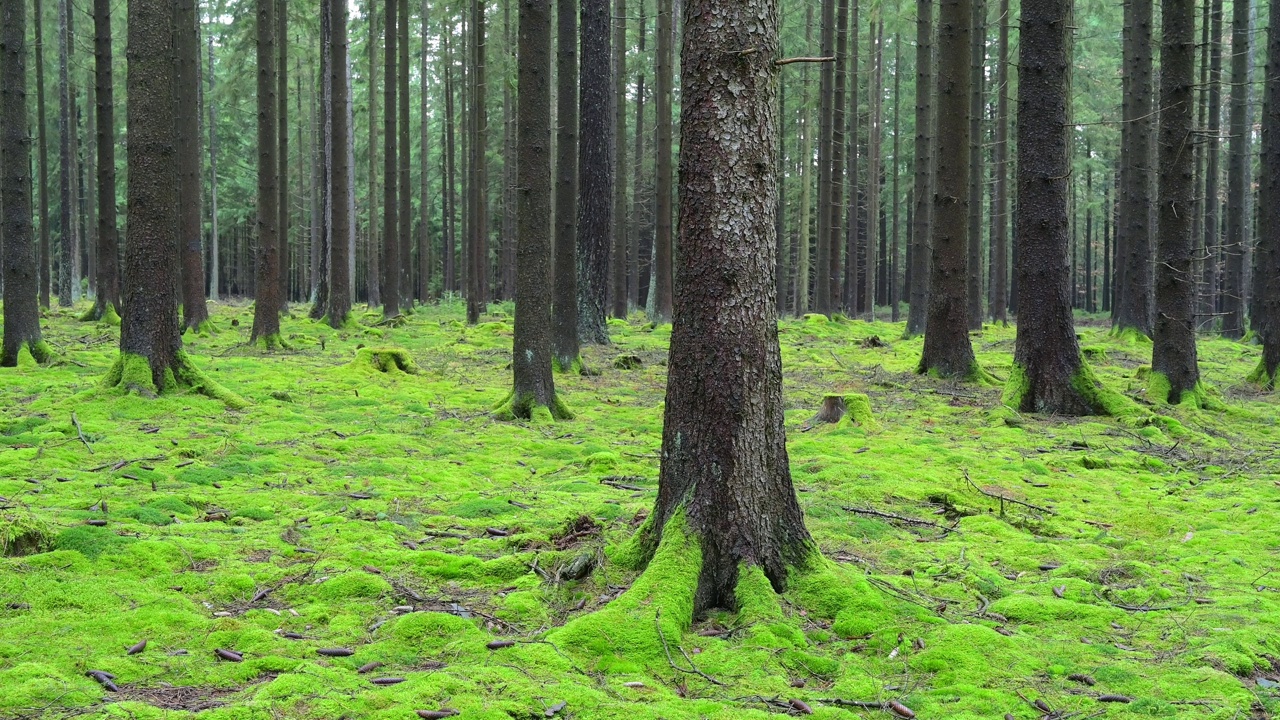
[
  {"x": 634, "y": 234},
  {"x": 339, "y": 300},
  {"x": 89, "y": 198},
  {"x": 374, "y": 267},
  {"x": 426, "y": 262},
  {"x": 21, "y": 281},
  {"x": 564, "y": 335},
  {"x": 66, "y": 226},
  {"x": 1266, "y": 319},
  {"x": 451, "y": 188},
  {"x": 266, "y": 310},
  {"x": 190, "y": 193},
  {"x": 1000, "y": 194},
  {"x": 618, "y": 283},
  {"x": 1173, "y": 352},
  {"x": 507, "y": 261},
  {"x": 1088, "y": 228},
  {"x": 1238, "y": 176},
  {"x": 107, "y": 266},
  {"x": 1211, "y": 245},
  {"x": 282, "y": 157},
  {"x": 947, "y": 351},
  {"x": 977, "y": 59},
  {"x": 801, "y": 300},
  {"x": 895, "y": 249},
  {"x": 478, "y": 247},
  {"x": 663, "y": 256},
  {"x": 725, "y": 460},
  {"x": 826, "y": 145},
  {"x": 324, "y": 157},
  {"x": 841, "y": 120},
  {"x": 390, "y": 171},
  {"x": 1133, "y": 299},
  {"x": 46, "y": 262},
  {"x": 595, "y": 173},
  {"x": 405, "y": 159},
  {"x": 780, "y": 212},
  {"x": 922, "y": 215},
  {"x": 874, "y": 229},
  {"x": 1204, "y": 313},
  {"x": 1108, "y": 212}
]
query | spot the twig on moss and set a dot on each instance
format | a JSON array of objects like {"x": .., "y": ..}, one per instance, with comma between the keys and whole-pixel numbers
[
  {"x": 75, "y": 421},
  {"x": 657, "y": 622},
  {"x": 900, "y": 518},
  {"x": 1004, "y": 499}
]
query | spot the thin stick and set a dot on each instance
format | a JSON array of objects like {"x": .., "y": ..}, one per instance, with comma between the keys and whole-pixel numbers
[
  {"x": 80, "y": 432},
  {"x": 657, "y": 621},
  {"x": 1002, "y": 498},
  {"x": 789, "y": 61},
  {"x": 900, "y": 518}
]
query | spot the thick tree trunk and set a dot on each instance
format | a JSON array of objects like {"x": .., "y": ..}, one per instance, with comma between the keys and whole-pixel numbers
[
  {"x": 895, "y": 250},
  {"x": 977, "y": 59},
  {"x": 266, "y": 310},
  {"x": 391, "y": 260},
  {"x": 1238, "y": 177},
  {"x": 534, "y": 383},
  {"x": 324, "y": 238},
  {"x": 634, "y": 235},
  {"x": 564, "y": 335},
  {"x": 1173, "y": 353},
  {"x": 663, "y": 255},
  {"x": 405, "y": 160},
  {"x": 338, "y": 308},
  {"x": 725, "y": 460},
  {"x": 21, "y": 281},
  {"x": 1133, "y": 296},
  {"x": 190, "y": 192},
  {"x": 1266, "y": 320},
  {"x": 478, "y": 225},
  {"x": 595, "y": 173},
  {"x": 282, "y": 139},
  {"x": 1048, "y": 373},
  {"x": 67, "y": 275},
  {"x": 618, "y": 284},
  {"x": 107, "y": 265},
  {"x": 1000, "y": 192},
  {"x": 922, "y": 200},
  {"x": 947, "y": 351}
]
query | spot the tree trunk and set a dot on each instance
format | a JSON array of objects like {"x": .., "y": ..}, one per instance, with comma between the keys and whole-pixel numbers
[
  {"x": 1088, "y": 228},
  {"x": 725, "y": 460},
  {"x": 895, "y": 247},
  {"x": 374, "y": 268},
  {"x": 1133, "y": 296},
  {"x": 450, "y": 260},
  {"x": 619, "y": 260},
  {"x": 977, "y": 59},
  {"x": 922, "y": 215},
  {"x": 947, "y": 351},
  {"x": 339, "y": 291},
  {"x": 66, "y": 182},
  {"x": 1000, "y": 193},
  {"x": 826, "y": 145},
  {"x": 564, "y": 340},
  {"x": 534, "y": 384},
  {"x": 478, "y": 245},
  {"x": 874, "y": 228},
  {"x": 405, "y": 158},
  {"x": 391, "y": 260},
  {"x": 46, "y": 262},
  {"x": 1048, "y": 372},
  {"x": 282, "y": 157},
  {"x": 107, "y": 266},
  {"x": 840, "y": 121},
  {"x": 1266, "y": 320},
  {"x": 595, "y": 173},
  {"x": 507, "y": 258},
  {"x": 662, "y": 259},
  {"x": 801, "y": 300},
  {"x": 1203, "y": 313},
  {"x": 1211, "y": 240},
  {"x": 266, "y": 307},
  {"x": 1238, "y": 176},
  {"x": 634, "y": 241},
  {"x": 780, "y": 212},
  {"x": 21, "y": 281},
  {"x": 324, "y": 160},
  {"x": 426, "y": 263},
  {"x": 190, "y": 192},
  {"x": 1173, "y": 353}
]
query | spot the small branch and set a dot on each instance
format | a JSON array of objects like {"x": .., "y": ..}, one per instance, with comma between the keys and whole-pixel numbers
[
  {"x": 657, "y": 622},
  {"x": 1004, "y": 499},
  {"x": 789, "y": 61},
  {"x": 80, "y": 432},
  {"x": 899, "y": 518}
]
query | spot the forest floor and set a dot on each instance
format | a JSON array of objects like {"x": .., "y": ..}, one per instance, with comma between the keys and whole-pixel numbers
[{"x": 388, "y": 514}]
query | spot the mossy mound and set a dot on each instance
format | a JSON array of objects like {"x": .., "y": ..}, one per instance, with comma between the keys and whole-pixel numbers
[
  {"x": 385, "y": 360},
  {"x": 22, "y": 533}
]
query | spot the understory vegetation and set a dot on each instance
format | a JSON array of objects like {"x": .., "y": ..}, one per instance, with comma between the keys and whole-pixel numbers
[{"x": 365, "y": 506}]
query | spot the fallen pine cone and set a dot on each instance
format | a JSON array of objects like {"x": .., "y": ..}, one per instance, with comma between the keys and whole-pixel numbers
[
  {"x": 336, "y": 652},
  {"x": 387, "y": 681},
  {"x": 228, "y": 655},
  {"x": 499, "y": 644},
  {"x": 801, "y": 706},
  {"x": 369, "y": 667},
  {"x": 901, "y": 710},
  {"x": 1082, "y": 678},
  {"x": 437, "y": 714},
  {"x": 1114, "y": 699},
  {"x": 135, "y": 649},
  {"x": 104, "y": 679}
]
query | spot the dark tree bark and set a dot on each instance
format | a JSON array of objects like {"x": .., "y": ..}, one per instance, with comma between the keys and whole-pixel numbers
[
  {"x": 633, "y": 231},
  {"x": 947, "y": 351},
  {"x": 595, "y": 173},
  {"x": 1203, "y": 313},
  {"x": 450, "y": 252},
  {"x": 323, "y": 247},
  {"x": 426, "y": 261},
  {"x": 507, "y": 257},
  {"x": 977, "y": 92},
  {"x": 67, "y": 275},
  {"x": 107, "y": 302},
  {"x": 391, "y": 260},
  {"x": 534, "y": 383},
  {"x": 1133, "y": 296},
  {"x": 725, "y": 459},
  {"x": 1000, "y": 192},
  {"x": 478, "y": 242},
  {"x": 780, "y": 212},
  {"x": 874, "y": 228},
  {"x": 338, "y": 308},
  {"x": 21, "y": 282},
  {"x": 215, "y": 275},
  {"x": 1173, "y": 352},
  {"x": 1266, "y": 318},
  {"x": 1211, "y": 245},
  {"x": 1048, "y": 372},
  {"x": 266, "y": 307},
  {"x": 835, "y": 208},
  {"x": 895, "y": 246},
  {"x": 1238, "y": 176},
  {"x": 1088, "y": 228},
  {"x": 922, "y": 214},
  {"x": 374, "y": 268},
  {"x": 405, "y": 159},
  {"x": 564, "y": 337},
  {"x": 826, "y": 146},
  {"x": 190, "y": 191},
  {"x": 663, "y": 286},
  {"x": 282, "y": 139},
  {"x": 619, "y": 260},
  {"x": 46, "y": 261},
  {"x": 801, "y": 303}
]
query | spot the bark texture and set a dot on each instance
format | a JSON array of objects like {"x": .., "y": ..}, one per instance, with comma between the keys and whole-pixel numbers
[
  {"x": 1000, "y": 191},
  {"x": 663, "y": 255},
  {"x": 724, "y": 458},
  {"x": 266, "y": 307},
  {"x": 595, "y": 173},
  {"x": 1238, "y": 177},
  {"x": 1133, "y": 288},
  {"x": 391, "y": 260},
  {"x": 108, "y": 266},
  {"x": 922, "y": 201},
  {"x": 190, "y": 191},
  {"x": 564, "y": 334},
  {"x": 478, "y": 242},
  {"x": 1266, "y": 321},
  {"x": 338, "y": 307}
]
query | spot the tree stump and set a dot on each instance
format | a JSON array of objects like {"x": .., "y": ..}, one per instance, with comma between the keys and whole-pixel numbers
[
  {"x": 856, "y": 406},
  {"x": 833, "y": 410},
  {"x": 628, "y": 362},
  {"x": 385, "y": 360}
]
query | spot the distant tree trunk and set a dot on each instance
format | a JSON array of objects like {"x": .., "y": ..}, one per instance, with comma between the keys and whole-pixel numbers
[
  {"x": 801, "y": 300},
  {"x": 405, "y": 160},
  {"x": 266, "y": 307},
  {"x": 780, "y": 212},
  {"x": 390, "y": 171},
  {"x": 374, "y": 268},
  {"x": 323, "y": 245},
  {"x": 1133, "y": 296},
  {"x": 1048, "y": 371},
  {"x": 46, "y": 262},
  {"x": 922, "y": 200},
  {"x": 977, "y": 92},
  {"x": 66, "y": 183},
  {"x": 874, "y": 230},
  {"x": 725, "y": 460},
  {"x": 282, "y": 156},
  {"x": 1088, "y": 228},
  {"x": 507, "y": 258},
  {"x": 426, "y": 262},
  {"x": 107, "y": 267},
  {"x": 339, "y": 305},
  {"x": 190, "y": 192},
  {"x": 21, "y": 282},
  {"x": 895, "y": 249},
  {"x": 947, "y": 351},
  {"x": 1238, "y": 176},
  {"x": 663, "y": 286},
  {"x": 478, "y": 245},
  {"x": 89, "y": 198},
  {"x": 1204, "y": 313},
  {"x": 634, "y": 234},
  {"x": 619, "y": 260},
  {"x": 564, "y": 320},
  {"x": 450, "y": 260},
  {"x": 1173, "y": 352},
  {"x": 595, "y": 173},
  {"x": 835, "y": 207},
  {"x": 534, "y": 383},
  {"x": 1211, "y": 244},
  {"x": 1266, "y": 319},
  {"x": 826, "y": 145},
  {"x": 1000, "y": 192}
]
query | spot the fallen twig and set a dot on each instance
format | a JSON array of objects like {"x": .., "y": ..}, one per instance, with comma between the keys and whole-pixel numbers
[
  {"x": 899, "y": 518},
  {"x": 75, "y": 421},
  {"x": 657, "y": 621},
  {"x": 1003, "y": 498}
]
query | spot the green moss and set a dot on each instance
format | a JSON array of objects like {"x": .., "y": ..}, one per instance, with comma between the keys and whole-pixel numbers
[
  {"x": 132, "y": 374},
  {"x": 147, "y": 516},
  {"x": 1261, "y": 377},
  {"x": 271, "y": 342},
  {"x": 22, "y": 533},
  {"x": 858, "y": 406},
  {"x": 526, "y": 407},
  {"x": 1129, "y": 336},
  {"x": 353, "y": 585},
  {"x": 385, "y": 360},
  {"x": 1160, "y": 390},
  {"x": 89, "y": 541}
]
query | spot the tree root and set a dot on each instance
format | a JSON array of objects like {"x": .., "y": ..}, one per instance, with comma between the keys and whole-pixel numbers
[
  {"x": 385, "y": 360},
  {"x": 132, "y": 373},
  {"x": 526, "y": 407},
  {"x": 29, "y": 354}
]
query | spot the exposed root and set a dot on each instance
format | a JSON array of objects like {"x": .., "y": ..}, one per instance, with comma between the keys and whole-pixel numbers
[
  {"x": 527, "y": 407},
  {"x": 856, "y": 406},
  {"x": 30, "y": 354},
  {"x": 133, "y": 374}
]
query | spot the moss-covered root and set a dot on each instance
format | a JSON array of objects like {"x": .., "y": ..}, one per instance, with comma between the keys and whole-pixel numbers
[
  {"x": 270, "y": 343},
  {"x": 203, "y": 328},
  {"x": 132, "y": 373},
  {"x": 29, "y": 354},
  {"x": 855, "y": 406},
  {"x": 527, "y": 407},
  {"x": 1130, "y": 336},
  {"x": 1260, "y": 376},
  {"x": 575, "y": 367},
  {"x": 103, "y": 312},
  {"x": 1091, "y": 392},
  {"x": 385, "y": 360},
  {"x": 1202, "y": 396}
]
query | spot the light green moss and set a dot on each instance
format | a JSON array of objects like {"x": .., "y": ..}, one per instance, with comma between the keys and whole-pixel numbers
[
  {"x": 271, "y": 342},
  {"x": 22, "y": 533},
  {"x": 385, "y": 360},
  {"x": 1160, "y": 390},
  {"x": 1129, "y": 336},
  {"x": 132, "y": 374},
  {"x": 858, "y": 405},
  {"x": 526, "y": 407}
]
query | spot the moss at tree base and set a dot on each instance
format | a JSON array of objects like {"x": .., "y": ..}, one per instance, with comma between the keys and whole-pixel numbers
[
  {"x": 132, "y": 373},
  {"x": 1160, "y": 390},
  {"x": 385, "y": 360},
  {"x": 271, "y": 343},
  {"x": 526, "y": 407},
  {"x": 1261, "y": 377}
]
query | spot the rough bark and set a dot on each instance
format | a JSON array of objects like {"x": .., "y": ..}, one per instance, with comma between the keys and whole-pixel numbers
[
  {"x": 322, "y": 248},
  {"x": 826, "y": 145},
  {"x": 618, "y": 284},
  {"x": 663, "y": 285},
  {"x": 190, "y": 190},
  {"x": 724, "y": 461},
  {"x": 1048, "y": 372},
  {"x": 507, "y": 256},
  {"x": 478, "y": 224},
  {"x": 338, "y": 308},
  {"x": 21, "y": 282},
  {"x": 801, "y": 300},
  {"x": 1211, "y": 245},
  {"x": 405, "y": 160},
  {"x": 842, "y": 119},
  {"x": 922, "y": 201},
  {"x": 282, "y": 140},
  {"x": 42, "y": 124},
  {"x": 266, "y": 308},
  {"x": 374, "y": 268},
  {"x": 107, "y": 266},
  {"x": 450, "y": 251},
  {"x": 595, "y": 173},
  {"x": 391, "y": 260},
  {"x": 1133, "y": 296},
  {"x": 1266, "y": 319},
  {"x": 874, "y": 229},
  {"x": 634, "y": 233},
  {"x": 947, "y": 351},
  {"x": 426, "y": 260},
  {"x": 1173, "y": 354},
  {"x": 895, "y": 250},
  {"x": 67, "y": 275},
  {"x": 564, "y": 334},
  {"x": 1000, "y": 192},
  {"x": 1238, "y": 177},
  {"x": 977, "y": 92}
]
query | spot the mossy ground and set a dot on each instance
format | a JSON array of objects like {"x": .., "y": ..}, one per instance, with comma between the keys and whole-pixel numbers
[{"x": 347, "y": 492}]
